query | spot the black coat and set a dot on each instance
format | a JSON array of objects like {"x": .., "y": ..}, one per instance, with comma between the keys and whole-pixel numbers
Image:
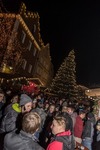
[
  {"x": 97, "y": 145},
  {"x": 1, "y": 109},
  {"x": 21, "y": 141},
  {"x": 88, "y": 130}
]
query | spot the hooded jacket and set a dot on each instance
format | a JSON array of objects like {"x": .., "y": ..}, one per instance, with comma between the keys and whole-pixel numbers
[
  {"x": 42, "y": 114},
  {"x": 62, "y": 141},
  {"x": 88, "y": 130},
  {"x": 21, "y": 141},
  {"x": 9, "y": 120}
]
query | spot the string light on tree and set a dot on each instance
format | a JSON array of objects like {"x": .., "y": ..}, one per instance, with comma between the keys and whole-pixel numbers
[{"x": 64, "y": 83}]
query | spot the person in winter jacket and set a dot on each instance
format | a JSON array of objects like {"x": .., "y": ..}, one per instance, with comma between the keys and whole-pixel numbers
[
  {"x": 98, "y": 135},
  {"x": 45, "y": 135},
  {"x": 14, "y": 99},
  {"x": 63, "y": 139},
  {"x": 78, "y": 128},
  {"x": 70, "y": 122},
  {"x": 39, "y": 109},
  {"x": 26, "y": 139},
  {"x": 88, "y": 131},
  {"x": 9, "y": 121},
  {"x": 72, "y": 113}
]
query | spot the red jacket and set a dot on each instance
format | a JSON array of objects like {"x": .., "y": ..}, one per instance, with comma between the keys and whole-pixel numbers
[
  {"x": 78, "y": 128},
  {"x": 56, "y": 145}
]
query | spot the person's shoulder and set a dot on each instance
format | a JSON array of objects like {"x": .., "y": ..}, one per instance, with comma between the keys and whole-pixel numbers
[
  {"x": 11, "y": 134},
  {"x": 55, "y": 145},
  {"x": 74, "y": 114},
  {"x": 38, "y": 147}
]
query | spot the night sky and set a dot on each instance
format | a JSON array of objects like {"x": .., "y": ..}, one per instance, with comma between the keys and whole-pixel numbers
[{"x": 69, "y": 25}]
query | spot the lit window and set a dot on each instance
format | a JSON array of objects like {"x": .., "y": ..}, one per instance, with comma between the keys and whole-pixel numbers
[
  {"x": 29, "y": 45},
  {"x": 34, "y": 52},
  {"x": 30, "y": 68},
  {"x": 24, "y": 64},
  {"x": 23, "y": 36}
]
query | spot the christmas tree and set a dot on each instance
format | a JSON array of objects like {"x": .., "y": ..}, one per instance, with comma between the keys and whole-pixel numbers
[{"x": 64, "y": 83}]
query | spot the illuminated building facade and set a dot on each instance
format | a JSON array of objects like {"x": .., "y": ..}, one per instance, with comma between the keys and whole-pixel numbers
[{"x": 24, "y": 52}]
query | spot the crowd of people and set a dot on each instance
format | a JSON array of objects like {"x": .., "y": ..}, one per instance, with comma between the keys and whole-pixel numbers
[{"x": 38, "y": 122}]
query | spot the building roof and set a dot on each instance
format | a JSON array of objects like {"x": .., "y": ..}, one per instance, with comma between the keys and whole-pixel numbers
[{"x": 93, "y": 92}]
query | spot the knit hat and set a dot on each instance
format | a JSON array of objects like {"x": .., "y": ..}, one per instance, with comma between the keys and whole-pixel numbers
[
  {"x": 24, "y": 99},
  {"x": 90, "y": 115}
]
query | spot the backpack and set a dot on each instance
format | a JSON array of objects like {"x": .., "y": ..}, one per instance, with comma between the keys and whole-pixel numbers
[{"x": 68, "y": 142}]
